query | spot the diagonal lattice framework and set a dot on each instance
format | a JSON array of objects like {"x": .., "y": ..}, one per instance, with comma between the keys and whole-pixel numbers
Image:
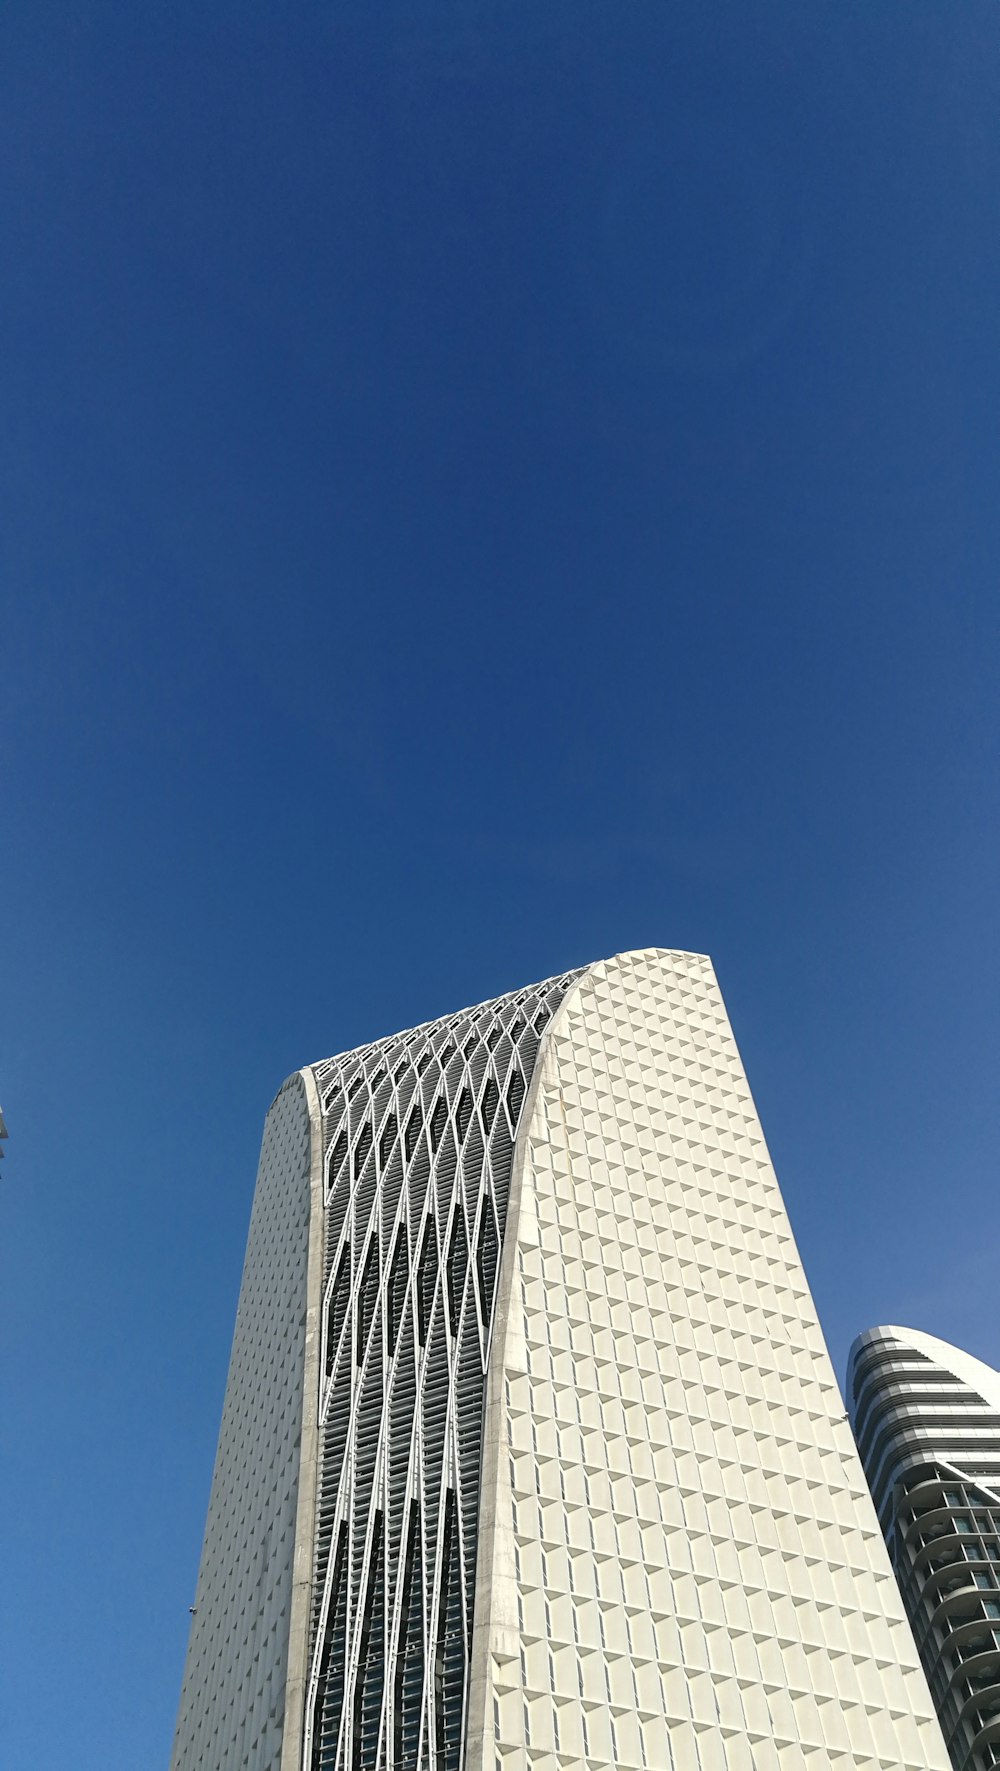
[{"x": 419, "y": 1135}]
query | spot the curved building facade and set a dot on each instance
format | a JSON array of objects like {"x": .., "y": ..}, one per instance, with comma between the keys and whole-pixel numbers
[
  {"x": 926, "y": 1418},
  {"x": 532, "y": 1456}
]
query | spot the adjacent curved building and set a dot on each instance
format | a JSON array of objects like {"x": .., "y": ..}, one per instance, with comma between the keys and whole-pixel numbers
[
  {"x": 926, "y": 1417},
  {"x": 532, "y": 1457}
]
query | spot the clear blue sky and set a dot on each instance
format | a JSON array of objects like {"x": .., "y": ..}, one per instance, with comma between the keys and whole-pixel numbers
[{"x": 483, "y": 486}]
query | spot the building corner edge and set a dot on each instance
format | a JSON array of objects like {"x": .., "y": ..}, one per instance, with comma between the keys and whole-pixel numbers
[
  {"x": 297, "y": 1670},
  {"x": 487, "y": 1620}
]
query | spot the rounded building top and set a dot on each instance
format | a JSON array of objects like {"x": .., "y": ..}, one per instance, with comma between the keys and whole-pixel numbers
[{"x": 974, "y": 1373}]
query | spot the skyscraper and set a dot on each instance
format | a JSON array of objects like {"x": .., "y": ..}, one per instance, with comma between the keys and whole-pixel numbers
[
  {"x": 927, "y": 1421},
  {"x": 532, "y": 1456}
]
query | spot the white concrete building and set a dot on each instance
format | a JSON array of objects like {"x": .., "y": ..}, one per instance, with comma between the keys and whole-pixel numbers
[
  {"x": 927, "y": 1421},
  {"x": 532, "y": 1456}
]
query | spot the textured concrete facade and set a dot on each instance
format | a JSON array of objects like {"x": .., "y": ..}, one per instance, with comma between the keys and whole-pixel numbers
[
  {"x": 232, "y": 1708},
  {"x": 683, "y": 1568},
  {"x": 585, "y": 1496}
]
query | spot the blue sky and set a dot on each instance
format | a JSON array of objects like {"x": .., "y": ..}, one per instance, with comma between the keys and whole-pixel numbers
[{"x": 483, "y": 486}]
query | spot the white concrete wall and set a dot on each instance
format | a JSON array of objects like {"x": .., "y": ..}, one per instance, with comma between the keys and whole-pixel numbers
[
  {"x": 233, "y": 1697},
  {"x": 680, "y": 1567}
]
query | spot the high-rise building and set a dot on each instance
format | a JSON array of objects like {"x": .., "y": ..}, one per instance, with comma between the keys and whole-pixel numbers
[
  {"x": 532, "y": 1456},
  {"x": 927, "y": 1421}
]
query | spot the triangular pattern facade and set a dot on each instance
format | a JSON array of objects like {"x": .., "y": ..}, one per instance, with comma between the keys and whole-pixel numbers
[
  {"x": 680, "y": 1569},
  {"x": 232, "y": 1711}
]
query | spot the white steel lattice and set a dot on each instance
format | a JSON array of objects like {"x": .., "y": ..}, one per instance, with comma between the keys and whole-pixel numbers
[{"x": 419, "y": 1134}]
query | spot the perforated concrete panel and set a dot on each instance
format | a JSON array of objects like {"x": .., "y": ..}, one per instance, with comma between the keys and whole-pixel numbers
[
  {"x": 679, "y": 1565},
  {"x": 233, "y": 1697}
]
